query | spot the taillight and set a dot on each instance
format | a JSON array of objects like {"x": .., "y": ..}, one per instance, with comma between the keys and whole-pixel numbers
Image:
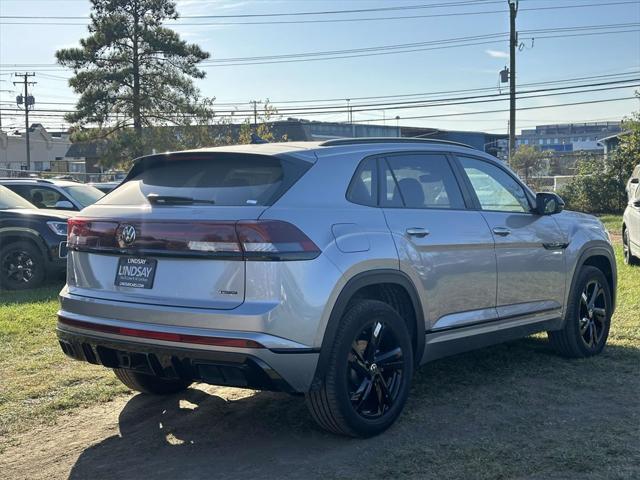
[
  {"x": 88, "y": 233},
  {"x": 244, "y": 240},
  {"x": 274, "y": 240}
]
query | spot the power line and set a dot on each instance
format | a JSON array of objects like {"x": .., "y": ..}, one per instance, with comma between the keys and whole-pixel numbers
[
  {"x": 348, "y": 20},
  {"x": 539, "y": 107},
  {"x": 455, "y": 42},
  {"x": 294, "y": 14},
  {"x": 524, "y": 95},
  {"x": 617, "y": 75},
  {"x": 483, "y": 112}
]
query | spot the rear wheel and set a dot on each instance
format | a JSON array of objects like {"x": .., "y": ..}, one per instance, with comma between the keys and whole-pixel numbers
[
  {"x": 21, "y": 266},
  {"x": 369, "y": 374},
  {"x": 629, "y": 258},
  {"x": 151, "y": 384},
  {"x": 587, "y": 318}
]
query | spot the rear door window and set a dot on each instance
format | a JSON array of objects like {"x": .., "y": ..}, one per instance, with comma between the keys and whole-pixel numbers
[
  {"x": 421, "y": 181},
  {"x": 214, "y": 179}
]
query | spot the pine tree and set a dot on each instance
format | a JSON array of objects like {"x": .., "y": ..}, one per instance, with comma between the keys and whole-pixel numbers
[{"x": 131, "y": 72}]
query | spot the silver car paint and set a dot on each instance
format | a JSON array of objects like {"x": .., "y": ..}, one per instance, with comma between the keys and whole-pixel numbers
[{"x": 461, "y": 274}]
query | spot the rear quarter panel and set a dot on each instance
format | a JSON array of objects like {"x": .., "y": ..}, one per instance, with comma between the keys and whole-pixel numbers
[{"x": 354, "y": 238}]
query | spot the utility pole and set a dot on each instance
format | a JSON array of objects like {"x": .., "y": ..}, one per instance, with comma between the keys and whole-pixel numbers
[
  {"x": 255, "y": 114},
  {"x": 513, "y": 44},
  {"x": 28, "y": 101}
]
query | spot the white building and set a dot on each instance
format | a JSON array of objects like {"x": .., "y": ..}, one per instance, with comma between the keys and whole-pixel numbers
[{"x": 46, "y": 147}]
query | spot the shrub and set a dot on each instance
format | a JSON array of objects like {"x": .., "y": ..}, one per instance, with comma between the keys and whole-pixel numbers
[{"x": 600, "y": 187}]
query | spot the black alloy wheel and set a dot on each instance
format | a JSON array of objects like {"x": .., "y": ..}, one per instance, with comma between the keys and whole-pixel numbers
[
  {"x": 375, "y": 370},
  {"x": 592, "y": 314},
  {"x": 368, "y": 373},
  {"x": 21, "y": 266}
]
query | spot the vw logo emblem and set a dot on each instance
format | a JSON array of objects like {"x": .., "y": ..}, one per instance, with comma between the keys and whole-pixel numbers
[{"x": 127, "y": 234}]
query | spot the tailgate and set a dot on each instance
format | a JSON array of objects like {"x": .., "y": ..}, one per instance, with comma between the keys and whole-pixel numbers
[{"x": 156, "y": 259}]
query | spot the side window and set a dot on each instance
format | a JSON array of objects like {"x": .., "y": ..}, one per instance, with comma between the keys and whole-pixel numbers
[
  {"x": 43, "y": 197},
  {"x": 363, "y": 189},
  {"x": 421, "y": 181},
  {"x": 496, "y": 189}
]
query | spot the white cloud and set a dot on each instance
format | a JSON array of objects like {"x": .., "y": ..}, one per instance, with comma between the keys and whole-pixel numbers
[{"x": 497, "y": 53}]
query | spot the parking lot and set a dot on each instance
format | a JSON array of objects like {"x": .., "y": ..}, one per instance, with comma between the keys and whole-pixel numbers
[{"x": 511, "y": 411}]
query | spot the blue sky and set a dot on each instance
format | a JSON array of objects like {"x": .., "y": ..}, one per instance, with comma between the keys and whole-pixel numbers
[{"x": 416, "y": 72}]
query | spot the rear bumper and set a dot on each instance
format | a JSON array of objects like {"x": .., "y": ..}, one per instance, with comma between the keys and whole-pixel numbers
[{"x": 258, "y": 367}]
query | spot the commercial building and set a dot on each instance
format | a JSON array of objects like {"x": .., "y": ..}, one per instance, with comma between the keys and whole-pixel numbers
[
  {"x": 46, "y": 148},
  {"x": 569, "y": 137}
]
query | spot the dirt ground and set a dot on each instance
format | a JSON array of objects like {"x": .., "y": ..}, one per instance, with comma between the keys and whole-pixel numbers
[{"x": 510, "y": 411}]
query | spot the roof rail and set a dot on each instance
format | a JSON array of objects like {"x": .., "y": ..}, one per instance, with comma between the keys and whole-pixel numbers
[
  {"x": 364, "y": 140},
  {"x": 26, "y": 179}
]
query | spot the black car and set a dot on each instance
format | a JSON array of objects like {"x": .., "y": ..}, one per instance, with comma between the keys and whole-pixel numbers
[{"x": 32, "y": 242}]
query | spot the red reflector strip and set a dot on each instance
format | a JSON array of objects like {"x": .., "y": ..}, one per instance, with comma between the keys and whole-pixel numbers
[{"x": 166, "y": 336}]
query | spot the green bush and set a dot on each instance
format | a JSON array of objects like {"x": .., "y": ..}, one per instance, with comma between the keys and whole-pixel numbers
[
  {"x": 600, "y": 187},
  {"x": 595, "y": 190}
]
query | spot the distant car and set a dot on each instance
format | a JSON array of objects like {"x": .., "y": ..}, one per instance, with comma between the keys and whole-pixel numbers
[
  {"x": 54, "y": 194},
  {"x": 105, "y": 187},
  {"x": 633, "y": 183},
  {"x": 33, "y": 242},
  {"x": 631, "y": 221}
]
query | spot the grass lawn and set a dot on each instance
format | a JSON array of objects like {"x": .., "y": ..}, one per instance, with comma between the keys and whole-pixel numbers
[
  {"x": 612, "y": 222},
  {"x": 37, "y": 381},
  {"x": 510, "y": 411}
]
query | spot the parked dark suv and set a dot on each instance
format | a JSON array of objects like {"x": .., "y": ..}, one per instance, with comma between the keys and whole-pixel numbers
[{"x": 32, "y": 242}]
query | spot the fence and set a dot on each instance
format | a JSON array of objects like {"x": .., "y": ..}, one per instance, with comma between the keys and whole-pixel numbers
[{"x": 74, "y": 176}]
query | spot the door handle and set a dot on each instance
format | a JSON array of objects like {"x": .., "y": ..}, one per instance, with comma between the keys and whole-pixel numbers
[
  {"x": 417, "y": 232},
  {"x": 502, "y": 231}
]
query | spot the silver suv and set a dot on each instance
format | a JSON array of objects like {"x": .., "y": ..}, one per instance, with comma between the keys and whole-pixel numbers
[{"x": 331, "y": 269}]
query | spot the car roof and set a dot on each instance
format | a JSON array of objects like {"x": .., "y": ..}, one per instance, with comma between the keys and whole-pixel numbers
[
  {"x": 38, "y": 181},
  {"x": 312, "y": 150}
]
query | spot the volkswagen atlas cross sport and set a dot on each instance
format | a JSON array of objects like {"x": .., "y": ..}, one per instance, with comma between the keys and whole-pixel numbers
[{"x": 330, "y": 269}]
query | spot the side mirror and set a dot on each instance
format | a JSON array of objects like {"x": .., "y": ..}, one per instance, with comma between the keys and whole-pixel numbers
[
  {"x": 634, "y": 180},
  {"x": 64, "y": 205},
  {"x": 548, "y": 203}
]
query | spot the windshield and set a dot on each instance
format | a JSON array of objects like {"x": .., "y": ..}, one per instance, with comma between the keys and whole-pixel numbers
[
  {"x": 85, "y": 195},
  {"x": 8, "y": 199}
]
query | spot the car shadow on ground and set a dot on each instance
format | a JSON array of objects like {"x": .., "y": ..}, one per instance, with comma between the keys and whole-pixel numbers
[{"x": 505, "y": 411}]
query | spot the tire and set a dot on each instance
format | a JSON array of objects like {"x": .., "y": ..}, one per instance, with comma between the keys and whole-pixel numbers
[
  {"x": 587, "y": 321},
  {"x": 365, "y": 389},
  {"x": 22, "y": 266},
  {"x": 629, "y": 258},
  {"x": 150, "y": 384}
]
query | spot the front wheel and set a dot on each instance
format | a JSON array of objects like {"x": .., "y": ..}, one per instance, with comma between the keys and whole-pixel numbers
[
  {"x": 21, "y": 266},
  {"x": 629, "y": 258},
  {"x": 587, "y": 317},
  {"x": 369, "y": 373}
]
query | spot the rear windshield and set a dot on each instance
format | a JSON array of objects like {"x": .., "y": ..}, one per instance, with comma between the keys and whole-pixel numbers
[{"x": 215, "y": 179}]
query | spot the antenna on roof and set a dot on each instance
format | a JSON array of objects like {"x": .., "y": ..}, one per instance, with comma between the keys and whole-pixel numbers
[{"x": 257, "y": 139}]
